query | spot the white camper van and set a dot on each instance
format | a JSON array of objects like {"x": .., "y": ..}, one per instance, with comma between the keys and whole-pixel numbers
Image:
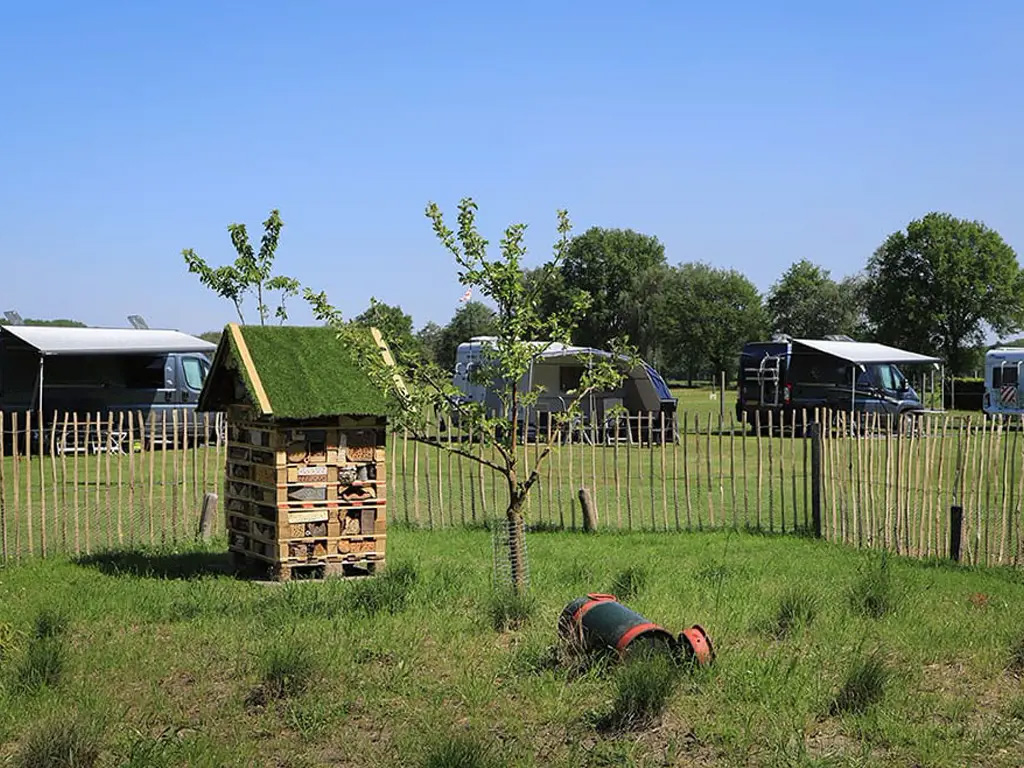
[
  {"x": 556, "y": 371},
  {"x": 1004, "y": 375}
]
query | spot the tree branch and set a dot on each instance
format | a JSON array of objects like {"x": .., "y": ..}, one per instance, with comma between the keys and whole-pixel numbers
[{"x": 433, "y": 441}]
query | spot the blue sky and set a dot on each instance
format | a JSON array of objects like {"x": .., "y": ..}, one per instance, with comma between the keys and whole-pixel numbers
[{"x": 745, "y": 134}]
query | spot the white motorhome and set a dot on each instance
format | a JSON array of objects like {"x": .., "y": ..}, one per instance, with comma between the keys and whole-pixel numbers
[
  {"x": 556, "y": 371},
  {"x": 1004, "y": 375}
]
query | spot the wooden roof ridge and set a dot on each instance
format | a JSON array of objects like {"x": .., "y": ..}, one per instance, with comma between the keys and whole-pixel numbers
[{"x": 245, "y": 358}]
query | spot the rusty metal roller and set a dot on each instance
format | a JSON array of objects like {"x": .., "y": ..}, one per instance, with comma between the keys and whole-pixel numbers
[{"x": 599, "y": 621}]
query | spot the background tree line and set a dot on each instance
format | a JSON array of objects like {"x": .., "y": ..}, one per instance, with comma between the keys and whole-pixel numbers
[{"x": 936, "y": 288}]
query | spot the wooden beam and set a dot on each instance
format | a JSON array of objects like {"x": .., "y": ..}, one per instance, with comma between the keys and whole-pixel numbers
[{"x": 262, "y": 401}]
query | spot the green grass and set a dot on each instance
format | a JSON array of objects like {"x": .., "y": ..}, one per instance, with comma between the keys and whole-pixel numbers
[{"x": 167, "y": 663}]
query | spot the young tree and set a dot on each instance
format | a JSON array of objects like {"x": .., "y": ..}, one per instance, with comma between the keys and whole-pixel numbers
[
  {"x": 420, "y": 391},
  {"x": 428, "y": 338},
  {"x": 935, "y": 287},
  {"x": 250, "y": 272}
]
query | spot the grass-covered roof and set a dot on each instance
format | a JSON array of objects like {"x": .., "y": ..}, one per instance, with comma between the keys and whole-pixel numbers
[{"x": 294, "y": 372}]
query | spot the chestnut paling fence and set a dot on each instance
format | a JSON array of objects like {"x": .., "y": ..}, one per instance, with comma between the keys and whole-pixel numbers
[{"x": 87, "y": 482}]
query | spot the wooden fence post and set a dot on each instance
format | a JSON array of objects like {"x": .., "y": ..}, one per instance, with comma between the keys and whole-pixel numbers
[
  {"x": 206, "y": 515},
  {"x": 814, "y": 433},
  {"x": 589, "y": 518},
  {"x": 956, "y": 521}
]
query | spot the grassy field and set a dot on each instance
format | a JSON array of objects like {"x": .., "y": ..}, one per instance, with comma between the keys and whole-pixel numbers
[{"x": 826, "y": 657}]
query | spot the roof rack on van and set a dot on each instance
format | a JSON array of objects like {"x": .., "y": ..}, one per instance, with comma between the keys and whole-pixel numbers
[
  {"x": 781, "y": 337},
  {"x": 837, "y": 337}
]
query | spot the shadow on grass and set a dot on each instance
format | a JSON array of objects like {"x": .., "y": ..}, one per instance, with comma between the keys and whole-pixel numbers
[{"x": 159, "y": 565}]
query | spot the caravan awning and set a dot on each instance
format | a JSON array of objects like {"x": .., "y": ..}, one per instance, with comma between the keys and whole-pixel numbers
[
  {"x": 50, "y": 340},
  {"x": 865, "y": 353}
]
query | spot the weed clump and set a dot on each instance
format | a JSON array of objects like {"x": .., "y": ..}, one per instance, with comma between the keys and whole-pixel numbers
[
  {"x": 8, "y": 639},
  {"x": 644, "y": 684},
  {"x": 629, "y": 582},
  {"x": 59, "y": 743},
  {"x": 873, "y": 594},
  {"x": 460, "y": 751},
  {"x": 797, "y": 608},
  {"x": 864, "y": 685},
  {"x": 386, "y": 593},
  {"x": 510, "y": 609},
  {"x": 286, "y": 671},
  {"x": 49, "y": 623},
  {"x": 1015, "y": 662},
  {"x": 43, "y": 664}
]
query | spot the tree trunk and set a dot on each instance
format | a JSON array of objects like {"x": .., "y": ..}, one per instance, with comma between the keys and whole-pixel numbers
[{"x": 516, "y": 550}]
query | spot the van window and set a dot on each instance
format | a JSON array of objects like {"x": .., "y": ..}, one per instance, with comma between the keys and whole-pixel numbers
[
  {"x": 1003, "y": 375},
  {"x": 193, "y": 372}
]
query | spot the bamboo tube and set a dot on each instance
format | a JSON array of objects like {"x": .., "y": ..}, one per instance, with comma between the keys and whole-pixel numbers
[
  {"x": 151, "y": 512},
  {"x": 721, "y": 469},
  {"x": 405, "y": 474},
  {"x": 416, "y": 480},
  {"x": 711, "y": 491},
  {"x": 163, "y": 475},
  {"x": 561, "y": 477},
  {"x": 28, "y": 483},
  {"x": 629, "y": 478},
  {"x": 132, "y": 522},
  {"x": 16, "y": 470},
  {"x": 4, "y": 547},
  {"x": 74, "y": 467},
  {"x": 771, "y": 471},
  {"x": 64, "y": 481},
  {"x": 732, "y": 471},
  {"x": 675, "y": 469},
  {"x": 597, "y": 501},
  {"x": 745, "y": 428},
  {"x": 175, "y": 480},
  {"x": 664, "y": 482},
  {"x": 793, "y": 473},
  {"x": 803, "y": 443},
  {"x": 1004, "y": 498},
  {"x": 686, "y": 471},
  {"x": 58, "y": 502},
  {"x": 940, "y": 507},
  {"x": 760, "y": 466},
  {"x": 650, "y": 451},
  {"x": 120, "y": 484},
  {"x": 41, "y": 429}
]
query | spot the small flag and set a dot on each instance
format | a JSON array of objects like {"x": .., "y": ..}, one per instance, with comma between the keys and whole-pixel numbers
[{"x": 466, "y": 295}]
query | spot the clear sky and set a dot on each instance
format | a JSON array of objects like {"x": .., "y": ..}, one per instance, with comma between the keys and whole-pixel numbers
[{"x": 745, "y": 134}]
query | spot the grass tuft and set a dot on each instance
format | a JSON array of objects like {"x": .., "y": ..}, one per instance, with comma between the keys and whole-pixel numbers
[
  {"x": 644, "y": 684},
  {"x": 59, "y": 742},
  {"x": 460, "y": 751},
  {"x": 49, "y": 623},
  {"x": 510, "y": 609},
  {"x": 43, "y": 664},
  {"x": 797, "y": 608},
  {"x": 8, "y": 641},
  {"x": 864, "y": 685},
  {"x": 287, "y": 669},
  {"x": 1015, "y": 708},
  {"x": 1015, "y": 663},
  {"x": 629, "y": 582},
  {"x": 873, "y": 594},
  {"x": 387, "y": 593}
]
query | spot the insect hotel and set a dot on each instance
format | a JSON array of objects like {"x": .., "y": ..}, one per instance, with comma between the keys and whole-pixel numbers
[{"x": 304, "y": 492}]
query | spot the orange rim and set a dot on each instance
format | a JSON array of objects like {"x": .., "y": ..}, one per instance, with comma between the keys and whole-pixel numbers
[
  {"x": 699, "y": 643},
  {"x": 595, "y": 598},
  {"x": 632, "y": 633}
]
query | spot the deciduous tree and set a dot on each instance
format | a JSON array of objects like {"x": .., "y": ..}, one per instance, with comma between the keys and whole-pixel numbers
[
  {"x": 935, "y": 287},
  {"x": 807, "y": 303}
]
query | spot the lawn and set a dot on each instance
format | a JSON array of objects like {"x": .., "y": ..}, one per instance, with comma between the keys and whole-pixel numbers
[{"x": 826, "y": 656}]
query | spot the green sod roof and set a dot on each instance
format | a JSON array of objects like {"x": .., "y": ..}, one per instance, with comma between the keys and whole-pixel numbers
[{"x": 303, "y": 373}]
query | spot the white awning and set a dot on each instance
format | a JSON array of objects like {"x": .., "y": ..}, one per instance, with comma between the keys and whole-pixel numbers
[
  {"x": 50, "y": 340},
  {"x": 866, "y": 353}
]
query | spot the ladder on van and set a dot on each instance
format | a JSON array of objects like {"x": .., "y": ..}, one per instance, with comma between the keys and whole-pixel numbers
[{"x": 769, "y": 378}]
